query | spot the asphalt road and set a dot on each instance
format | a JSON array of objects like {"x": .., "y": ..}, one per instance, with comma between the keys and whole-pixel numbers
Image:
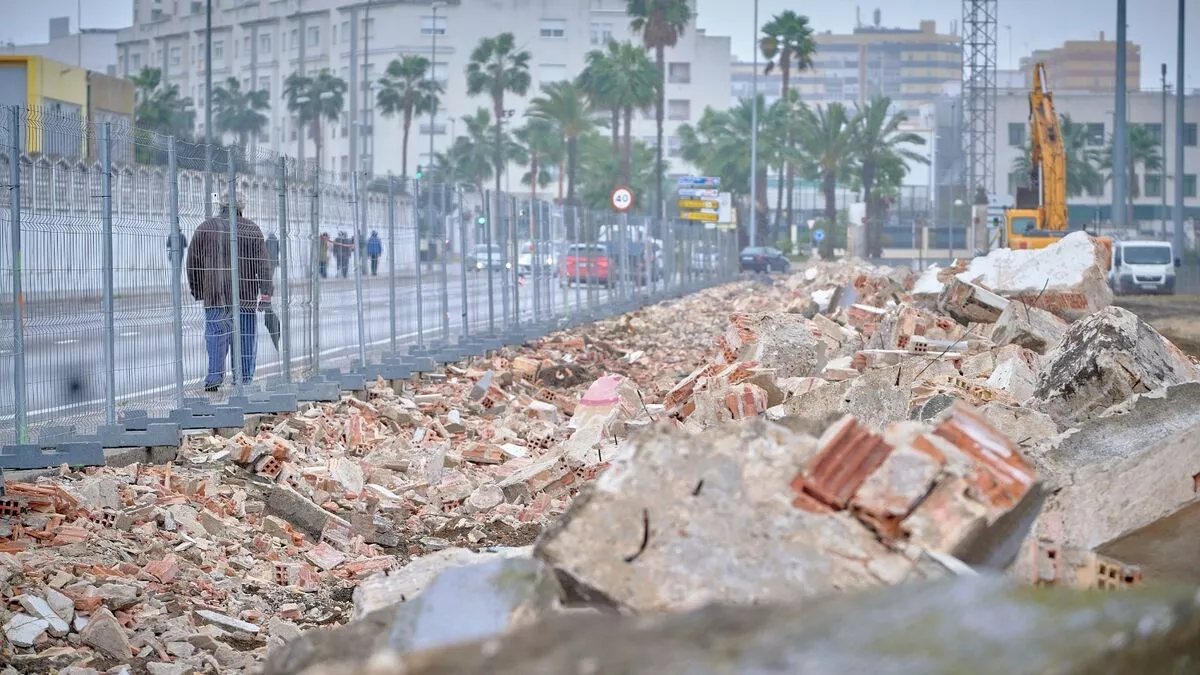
[{"x": 64, "y": 344}]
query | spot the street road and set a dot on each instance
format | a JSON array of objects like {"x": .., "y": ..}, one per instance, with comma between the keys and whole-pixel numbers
[{"x": 64, "y": 343}]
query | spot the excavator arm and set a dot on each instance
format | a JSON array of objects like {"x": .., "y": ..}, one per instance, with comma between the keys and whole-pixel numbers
[{"x": 1048, "y": 155}]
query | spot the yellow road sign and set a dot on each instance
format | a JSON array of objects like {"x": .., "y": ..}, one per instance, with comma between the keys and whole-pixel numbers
[
  {"x": 698, "y": 204},
  {"x": 701, "y": 216}
]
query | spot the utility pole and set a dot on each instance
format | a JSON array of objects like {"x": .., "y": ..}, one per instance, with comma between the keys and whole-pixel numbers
[
  {"x": 1163, "y": 140},
  {"x": 754, "y": 136},
  {"x": 1178, "y": 239},
  {"x": 1120, "y": 163},
  {"x": 208, "y": 134}
]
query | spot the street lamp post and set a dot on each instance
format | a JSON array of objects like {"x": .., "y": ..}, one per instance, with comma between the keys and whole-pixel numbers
[
  {"x": 950, "y": 229},
  {"x": 208, "y": 135},
  {"x": 432, "y": 130},
  {"x": 754, "y": 135}
]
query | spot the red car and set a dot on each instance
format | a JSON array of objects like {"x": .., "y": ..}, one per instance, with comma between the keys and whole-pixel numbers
[{"x": 587, "y": 263}]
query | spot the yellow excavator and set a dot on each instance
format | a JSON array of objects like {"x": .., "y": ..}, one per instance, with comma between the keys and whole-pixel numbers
[{"x": 1040, "y": 215}]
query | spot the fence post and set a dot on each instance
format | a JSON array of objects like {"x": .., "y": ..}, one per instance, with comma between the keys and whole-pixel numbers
[
  {"x": 417, "y": 247},
  {"x": 20, "y": 411},
  {"x": 502, "y": 230},
  {"x": 462, "y": 254},
  {"x": 513, "y": 214},
  {"x": 284, "y": 283},
  {"x": 490, "y": 210},
  {"x": 315, "y": 269},
  {"x": 176, "y": 268},
  {"x": 391, "y": 196},
  {"x": 359, "y": 230},
  {"x": 108, "y": 329},
  {"x": 235, "y": 278},
  {"x": 444, "y": 238}
]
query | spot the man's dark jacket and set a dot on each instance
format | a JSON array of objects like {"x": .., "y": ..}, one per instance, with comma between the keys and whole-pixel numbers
[{"x": 208, "y": 268}]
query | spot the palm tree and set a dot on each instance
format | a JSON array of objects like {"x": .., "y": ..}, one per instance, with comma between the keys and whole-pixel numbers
[
  {"x": 406, "y": 90},
  {"x": 620, "y": 79},
  {"x": 827, "y": 143},
  {"x": 787, "y": 41},
  {"x": 1142, "y": 149},
  {"x": 877, "y": 140},
  {"x": 470, "y": 154},
  {"x": 719, "y": 145},
  {"x": 660, "y": 23},
  {"x": 1083, "y": 173},
  {"x": 313, "y": 99},
  {"x": 158, "y": 107},
  {"x": 239, "y": 113},
  {"x": 566, "y": 107},
  {"x": 544, "y": 145},
  {"x": 497, "y": 68},
  {"x": 598, "y": 171}
]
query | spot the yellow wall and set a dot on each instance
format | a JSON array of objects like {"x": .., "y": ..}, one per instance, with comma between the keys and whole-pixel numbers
[{"x": 46, "y": 79}]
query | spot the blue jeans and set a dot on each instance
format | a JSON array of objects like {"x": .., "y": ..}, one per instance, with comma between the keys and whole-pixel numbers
[{"x": 218, "y": 339}]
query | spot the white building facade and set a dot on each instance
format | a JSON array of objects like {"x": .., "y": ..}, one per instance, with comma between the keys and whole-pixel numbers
[
  {"x": 261, "y": 42},
  {"x": 93, "y": 49}
]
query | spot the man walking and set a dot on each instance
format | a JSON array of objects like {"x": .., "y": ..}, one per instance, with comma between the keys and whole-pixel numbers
[
  {"x": 343, "y": 246},
  {"x": 273, "y": 252},
  {"x": 210, "y": 279},
  {"x": 323, "y": 261},
  {"x": 374, "y": 250}
]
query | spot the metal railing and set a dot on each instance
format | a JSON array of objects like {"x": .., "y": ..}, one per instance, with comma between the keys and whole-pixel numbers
[{"x": 118, "y": 275}]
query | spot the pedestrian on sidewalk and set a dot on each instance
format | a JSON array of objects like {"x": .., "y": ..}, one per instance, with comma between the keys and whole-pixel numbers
[
  {"x": 273, "y": 252},
  {"x": 210, "y": 280},
  {"x": 323, "y": 261},
  {"x": 374, "y": 250},
  {"x": 343, "y": 246}
]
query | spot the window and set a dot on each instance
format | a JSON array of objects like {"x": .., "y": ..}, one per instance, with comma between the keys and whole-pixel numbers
[
  {"x": 1153, "y": 185},
  {"x": 552, "y": 72},
  {"x": 1095, "y": 133},
  {"x": 440, "y": 72},
  {"x": 433, "y": 25},
  {"x": 264, "y": 43},
  {"x": 295, "y": 39},
  {"x": 1155, "y": 130},
  {"x": 176, "y": 55},
  {"x": 368, "y": 28},
  {"x": 1189, "y": 134},
  {"x": 553, "y": 28},
  {"x": 345, "y": 31},
  {"x": 219, "y": 50},
  {"x": 650, "y": 141},
  {"x": 438, "y": 128},
  {"x": 345, "y": 163},
  {"x": 674, "y": 145},
  {"x": 1189, "y": 185},
  {"x": 135, "y": 62},
  {"x": 264, "y": 84},
  {"x": 1016, "y": 134},
  {"x": 679, "y": 73},
  {"x": 679, "y": 110},
  {"x": 601, "y": 33},
  {"x": 245, "y": 84},
  {"x": 335, "y": 38},
  {"x": 314, "y": 36}
]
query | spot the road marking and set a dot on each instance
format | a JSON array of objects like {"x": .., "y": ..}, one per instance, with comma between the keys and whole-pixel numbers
[{"x": 65, "y": 342}]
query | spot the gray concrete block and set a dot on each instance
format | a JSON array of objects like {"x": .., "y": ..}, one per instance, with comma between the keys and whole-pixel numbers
[
  {"x": 319, "y": 391},
  {"x": 265, "y": 404},
  {"x": 34, "y": 456},
  {"x": 119, "y": 436},
  {"x": 200, "y": 414}
]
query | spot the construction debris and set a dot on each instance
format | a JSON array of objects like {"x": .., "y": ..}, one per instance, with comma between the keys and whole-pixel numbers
[{"x": 847, "y": 427}]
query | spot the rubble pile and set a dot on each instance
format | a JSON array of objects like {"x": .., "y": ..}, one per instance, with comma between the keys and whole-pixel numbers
[{"x": 845, "y": 428}]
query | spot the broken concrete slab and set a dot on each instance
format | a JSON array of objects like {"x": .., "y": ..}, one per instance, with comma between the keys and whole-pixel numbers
[
  {"x": 968, "y": 624},
  {"x": 789, "y": 344},
  {"x": 1103, "y": 360},
  {"x": 385, "y": 589},
  {"x": 1029, "y": 327},
  {"x": 878, "y": 397}
]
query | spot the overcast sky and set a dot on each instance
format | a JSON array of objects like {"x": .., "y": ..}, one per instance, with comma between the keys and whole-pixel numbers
[{"x": 1034, "y": 23}]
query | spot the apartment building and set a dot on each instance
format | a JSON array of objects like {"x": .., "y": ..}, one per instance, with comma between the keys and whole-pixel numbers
[
  {"x": 261, "y": 42},
  {"x": 93, "y": 49},
  {"x": 1096, "y": 111},
  {"x": 908, "y": 65},
  {"x": 1086, "y": 65}
]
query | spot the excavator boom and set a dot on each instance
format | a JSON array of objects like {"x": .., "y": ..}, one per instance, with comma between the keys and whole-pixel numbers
[{"x": 1049, "y": 153}]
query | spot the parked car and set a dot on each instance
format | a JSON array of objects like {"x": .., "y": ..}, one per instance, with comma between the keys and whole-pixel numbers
[
  {"x": 484, "y": 257},
  {"x": 530, "y": 258},
  {"x": 587, "y": 263},
  {"x": 763, "y": 259}
]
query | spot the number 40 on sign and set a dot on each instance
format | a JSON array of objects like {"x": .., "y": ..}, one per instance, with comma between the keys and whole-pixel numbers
[{"x": 621, "y": 199}]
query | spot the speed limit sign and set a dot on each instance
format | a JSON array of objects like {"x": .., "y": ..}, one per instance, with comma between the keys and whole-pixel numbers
[{"x": 621, "y": 199}]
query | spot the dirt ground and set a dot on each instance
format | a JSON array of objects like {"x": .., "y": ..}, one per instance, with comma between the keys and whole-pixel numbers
[{"x": 1175, "y": 316}]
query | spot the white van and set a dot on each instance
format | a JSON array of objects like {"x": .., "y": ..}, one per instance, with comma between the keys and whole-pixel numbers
[{"x": 1143, "y": 267}]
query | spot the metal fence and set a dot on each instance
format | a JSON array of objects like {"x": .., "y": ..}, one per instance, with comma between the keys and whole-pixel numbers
[{"x": 101, "y": 333}]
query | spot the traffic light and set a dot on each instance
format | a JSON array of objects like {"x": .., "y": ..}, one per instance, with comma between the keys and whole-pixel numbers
[
  {"x": 482, "y": 220},
  {"x": 419, "y": 172}
]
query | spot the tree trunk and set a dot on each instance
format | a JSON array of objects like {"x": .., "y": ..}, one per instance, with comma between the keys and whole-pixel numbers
[
  {"x": 497, "y": 159},
  {"x": 660, "y": 58},
  {"x": 562, "y": 176},
  {"x": 785, "y": 75},
  {"x": 572, "y": 167},
  {"x": 616, "y": 133},
  {"x": 627, "y": 160},
  {"x": 316, "y": 132},
  {"x": 829, "y": 188},
  {"x": 778, "y": 200},
  {"x": 533, "y": 194},
  {"x": 761, "y": 214},
  {"x": 870, "y": 229},
  {"x": 404, "y": 150}
]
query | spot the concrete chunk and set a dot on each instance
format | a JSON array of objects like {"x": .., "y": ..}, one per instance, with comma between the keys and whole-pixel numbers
[{"x": 1029, "y": 327}]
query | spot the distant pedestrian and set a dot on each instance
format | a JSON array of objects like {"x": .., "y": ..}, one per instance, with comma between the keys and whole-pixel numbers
[
  {"x": 178, "y": 238},
  {"x": 323, "y": 260},
  {"x": 374, "y": 250},
  {"x": 210, "y": 280},
  {"x": 273, "y": 252},
  {"x": 343, "y": 247}
]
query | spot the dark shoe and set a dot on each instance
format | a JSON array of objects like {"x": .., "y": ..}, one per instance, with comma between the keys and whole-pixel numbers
[{"x": 212, "y": 388}]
